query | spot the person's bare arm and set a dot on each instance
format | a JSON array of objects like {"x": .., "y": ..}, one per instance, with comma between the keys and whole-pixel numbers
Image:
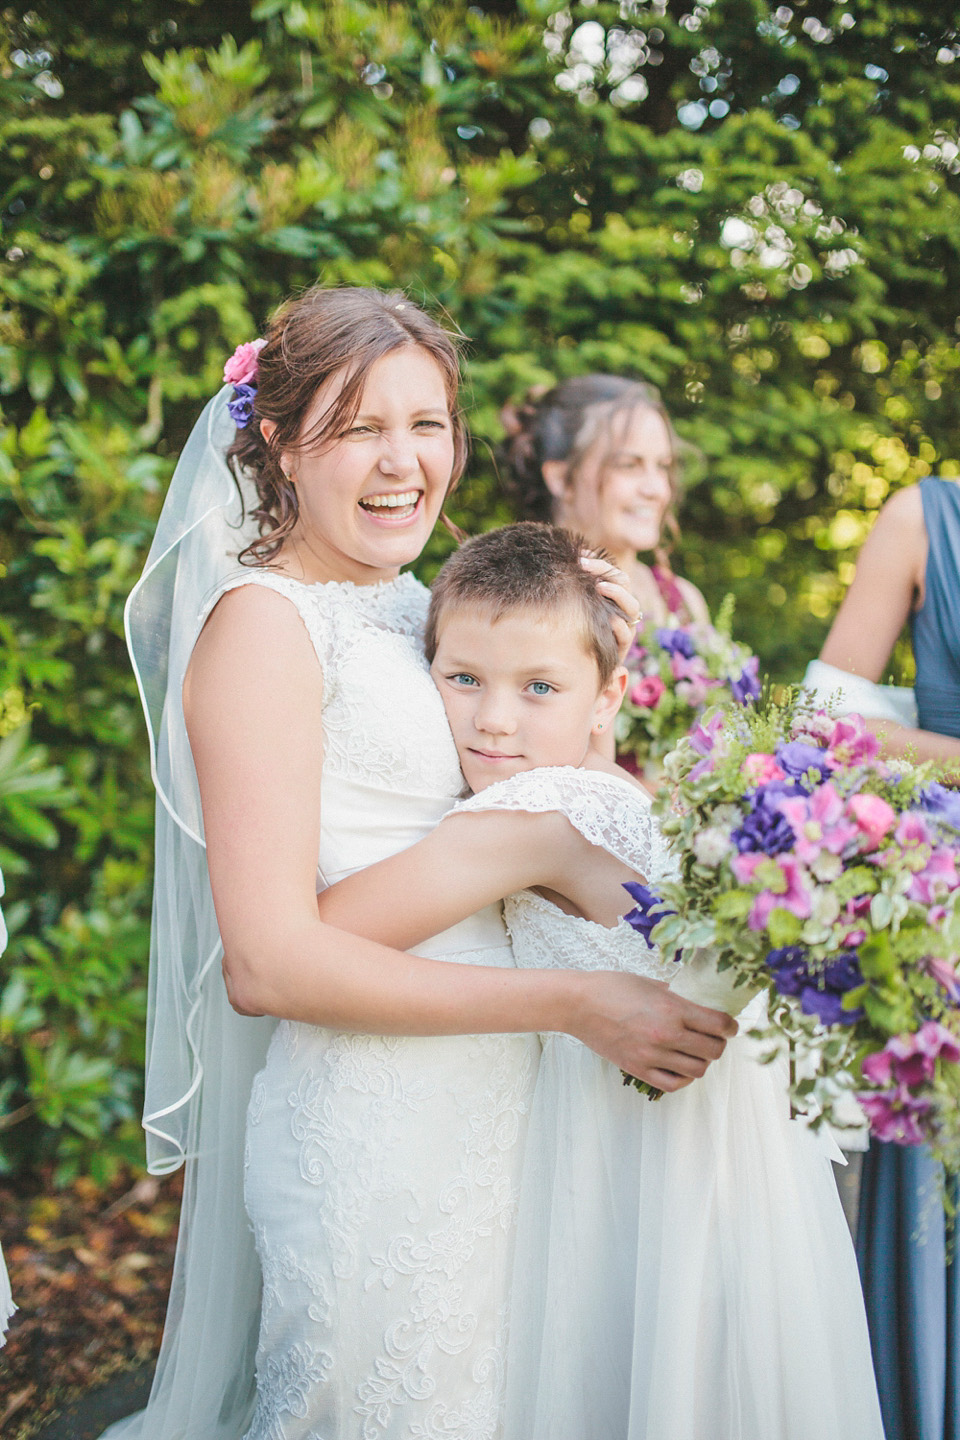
[
  {"x": 886, "y": 587},
  {"x": 253, "y": 705},
  {"x": 469, "y": 861}
]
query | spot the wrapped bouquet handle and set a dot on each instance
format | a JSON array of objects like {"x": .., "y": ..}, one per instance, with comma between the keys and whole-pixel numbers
[{"x": 699, "y": 979}]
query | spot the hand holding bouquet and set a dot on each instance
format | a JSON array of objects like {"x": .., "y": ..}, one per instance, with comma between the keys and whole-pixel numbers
[
  {"x": 675, "y": 672},
  {"x": 812, "y": 869}
]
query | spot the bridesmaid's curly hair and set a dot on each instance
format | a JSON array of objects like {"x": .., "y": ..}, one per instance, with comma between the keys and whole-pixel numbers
[
  {"x": 312, "y": 337},
  {"x": 564, "y": 423}
]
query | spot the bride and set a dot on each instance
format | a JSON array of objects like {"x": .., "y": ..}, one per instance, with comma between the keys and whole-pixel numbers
[{"x": 387, "y": 1109}]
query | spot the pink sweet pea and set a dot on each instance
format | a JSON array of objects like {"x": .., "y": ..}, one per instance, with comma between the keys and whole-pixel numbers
[
  {"x": 851, "y": 742},
  {"x": 913, "y": 832},
  {"x": 761, "y": 769},
  {"x": 819, "y": 822},
  {"x": 241, "y": 368},
  {"x": 647, "y": 692},
  {"x": 873, "y": 817},
  {"x": 787, "y": 890}
]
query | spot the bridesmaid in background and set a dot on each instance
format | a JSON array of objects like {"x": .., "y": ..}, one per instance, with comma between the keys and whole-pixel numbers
[
  {"x": 598, "y": 455},
  {"x": 909, "y": 568}
]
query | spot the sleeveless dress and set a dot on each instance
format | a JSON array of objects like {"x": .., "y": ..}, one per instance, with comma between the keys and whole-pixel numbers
[
  {"x": 683, "y": 1268},
  {"x": 381, "y": 1173},
  {"x": 912, "y": 1293}
]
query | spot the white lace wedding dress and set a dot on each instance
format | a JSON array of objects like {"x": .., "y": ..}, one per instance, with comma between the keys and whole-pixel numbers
[
  {"x": 382, "y": 1173},
  {"x": 683, "y": 1268}
]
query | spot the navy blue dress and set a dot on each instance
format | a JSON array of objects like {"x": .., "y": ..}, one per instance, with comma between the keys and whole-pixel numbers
[{"x": 912, "y": 1294}]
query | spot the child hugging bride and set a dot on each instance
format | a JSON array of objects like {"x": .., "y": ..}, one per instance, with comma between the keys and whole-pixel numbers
[{"x": 683, "y": 1270}]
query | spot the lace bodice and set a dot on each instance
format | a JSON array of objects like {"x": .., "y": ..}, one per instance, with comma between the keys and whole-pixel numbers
[
  {"x": 608, "y": 812},
  {"x": 390, "y": 767}
]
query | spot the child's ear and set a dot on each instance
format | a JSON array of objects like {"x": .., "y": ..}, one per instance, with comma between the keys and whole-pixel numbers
[{"x": 609, "y": 700}]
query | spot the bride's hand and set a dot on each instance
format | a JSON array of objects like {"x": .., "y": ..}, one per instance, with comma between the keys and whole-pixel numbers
[
  {"x": 648, "y": 1031},
  {"x": 614, "y": 585}
]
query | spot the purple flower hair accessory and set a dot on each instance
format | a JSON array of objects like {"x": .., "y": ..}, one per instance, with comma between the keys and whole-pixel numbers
[{"x": 240, "y": 371}]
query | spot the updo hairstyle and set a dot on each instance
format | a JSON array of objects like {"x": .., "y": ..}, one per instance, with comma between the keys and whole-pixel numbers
[
  {"x": 564, "y": 424},
  {"x": 311, "y": 338}
]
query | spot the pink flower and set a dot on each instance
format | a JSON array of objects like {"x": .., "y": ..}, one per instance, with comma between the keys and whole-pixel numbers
[
  {"x": 818, "y": 821},
  {"x": 647, "y": 692},
  {"x": 911, "y": 1059},
  {"x": 706, "y": 737},
  {"x": 684, "y": 667},
  {"x": 241, "y": 368},
  {"x": 913, "y": 832},
  {"x": 874, "y": 818},
  {"x": 896, "y": 1115},
  {"x": 851, "y": 742},
  {"x": 945, "y": 975},
  {"x": 693, "y": 692},
  {"x": 938, "y": 875},
  {"x": 786, "y": 889},
  {"x": 761, "y": 769},
  {"x": 816, "y": 728}
]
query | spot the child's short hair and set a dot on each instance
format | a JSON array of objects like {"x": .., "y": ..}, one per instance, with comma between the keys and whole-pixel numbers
[{"x": 532, "y": 566}]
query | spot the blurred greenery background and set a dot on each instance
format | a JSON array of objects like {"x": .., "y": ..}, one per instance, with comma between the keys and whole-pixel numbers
[{"x": 754, "y": 206}]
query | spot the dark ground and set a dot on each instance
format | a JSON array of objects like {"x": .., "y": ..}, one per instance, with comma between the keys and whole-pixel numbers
[{"x": 90, "y": 1271}]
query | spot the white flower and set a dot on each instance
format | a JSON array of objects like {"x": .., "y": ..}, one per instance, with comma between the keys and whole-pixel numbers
[
  {"x": 827, "y": 867},
  {"x": 712, "y": 845}
]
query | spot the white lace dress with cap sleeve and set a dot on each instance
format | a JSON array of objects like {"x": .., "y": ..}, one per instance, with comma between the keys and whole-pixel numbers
[
  {"x": 381, "y": 1173},
  {"x": 683, "y": 1268}
]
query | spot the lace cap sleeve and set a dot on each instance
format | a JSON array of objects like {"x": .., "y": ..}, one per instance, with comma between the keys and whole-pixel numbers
[
  {"x": 307, "y": 599},
  {"x": 608, "y": 812}
]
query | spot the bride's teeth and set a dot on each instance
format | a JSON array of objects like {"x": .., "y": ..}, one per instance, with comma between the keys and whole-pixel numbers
[{"x": 390, "y": 502}]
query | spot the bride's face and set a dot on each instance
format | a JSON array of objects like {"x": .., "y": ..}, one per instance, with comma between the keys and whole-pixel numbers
[{"x": 369, "y": 498}]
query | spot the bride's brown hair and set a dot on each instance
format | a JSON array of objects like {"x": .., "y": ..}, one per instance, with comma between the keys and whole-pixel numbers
[{"x": 312, "y": 337}]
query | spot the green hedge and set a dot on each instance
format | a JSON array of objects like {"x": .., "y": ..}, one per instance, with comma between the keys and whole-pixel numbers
[{"x": 753, "y": 206}]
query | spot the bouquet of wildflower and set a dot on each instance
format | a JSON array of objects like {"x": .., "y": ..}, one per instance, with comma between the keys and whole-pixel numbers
[
  {"x": 675, "y": 671},
  {"x": 811, "y": 869}
]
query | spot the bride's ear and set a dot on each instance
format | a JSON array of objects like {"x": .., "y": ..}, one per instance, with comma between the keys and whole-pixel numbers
[
  {"x": 267, "y": 429},
  {"x": 609, "y": 701}
]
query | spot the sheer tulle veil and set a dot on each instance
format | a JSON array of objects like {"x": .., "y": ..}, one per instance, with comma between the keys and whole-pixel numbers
[{"x": 201, "y": 1055}]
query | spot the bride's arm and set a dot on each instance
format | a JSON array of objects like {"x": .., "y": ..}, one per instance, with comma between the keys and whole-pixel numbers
[
  {"x": 253, "y": 705},
  {"x": 888, "y": 579}
]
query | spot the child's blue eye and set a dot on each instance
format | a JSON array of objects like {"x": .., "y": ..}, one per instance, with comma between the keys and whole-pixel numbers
[
  {"x": 463, "y": 679},
  {"x": 540, "y": 687}
]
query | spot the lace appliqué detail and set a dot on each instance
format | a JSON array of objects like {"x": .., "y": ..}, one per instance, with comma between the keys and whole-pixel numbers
[
  {"x": 383, "y": 720},
  {"x": 611, "y": 813}
]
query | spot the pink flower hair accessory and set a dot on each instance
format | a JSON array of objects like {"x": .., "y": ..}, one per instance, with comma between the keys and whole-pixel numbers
[{"x": 240, "y": 371}]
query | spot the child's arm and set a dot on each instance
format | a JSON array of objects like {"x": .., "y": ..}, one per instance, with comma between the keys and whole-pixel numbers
[{"x": 469, "y": 861}]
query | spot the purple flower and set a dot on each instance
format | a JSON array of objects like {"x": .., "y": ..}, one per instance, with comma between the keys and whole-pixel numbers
[
  {"x": 820, "y": 991},
  {"x": 796, "y": 759},
  {"x": 747, "y": 688},
  {"x": 896, "y": 1115},
  {"x": 241, "y": 406},
  {"x": 642, "y": 917},
  {"x": 911, "y": 1059},
  {"x": 676, "y": 642},
  {"x": 765, "y": 828},
  {"x": 937, "y": 800}
]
